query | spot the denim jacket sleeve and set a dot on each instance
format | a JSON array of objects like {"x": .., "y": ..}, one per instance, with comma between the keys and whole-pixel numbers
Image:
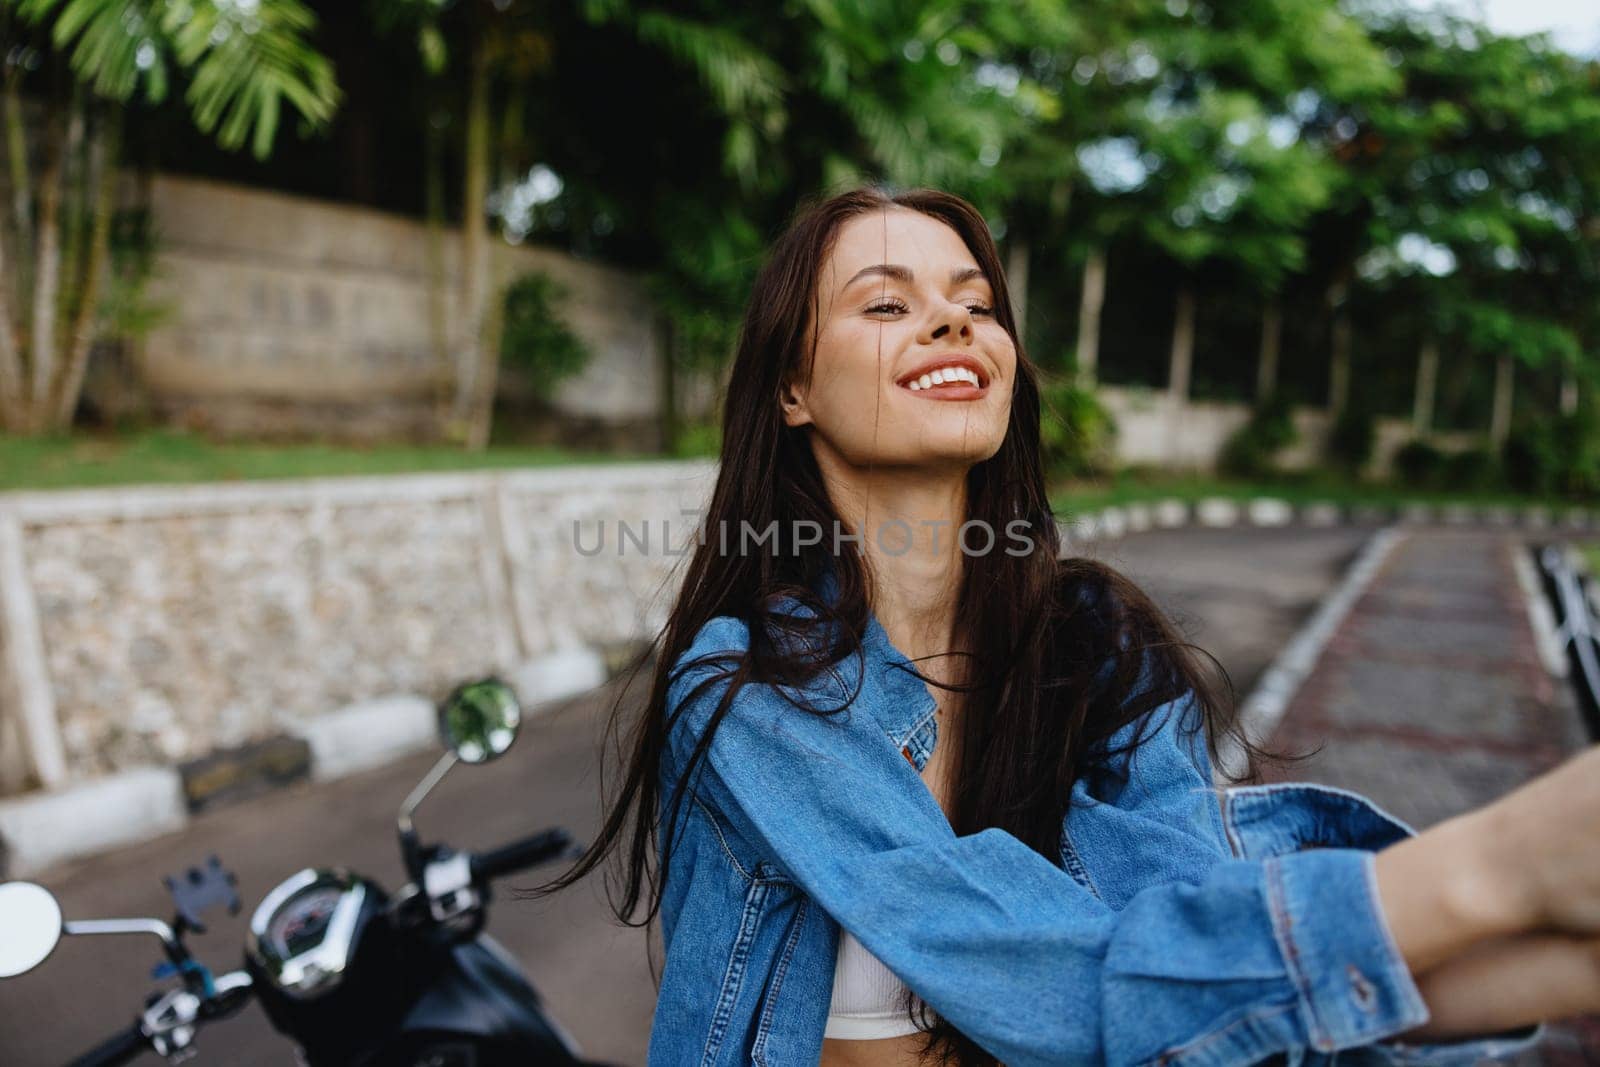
[
  {"x": 1260, "y": 957},
  {"x": 1259, "y": 823}
]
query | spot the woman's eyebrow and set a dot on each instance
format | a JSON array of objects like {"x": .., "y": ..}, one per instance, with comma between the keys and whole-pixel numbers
[{"x": 903, "y": 274}]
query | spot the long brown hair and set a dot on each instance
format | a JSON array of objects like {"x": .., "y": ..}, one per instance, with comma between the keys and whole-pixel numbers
[{"x": 1038, "y": 711}]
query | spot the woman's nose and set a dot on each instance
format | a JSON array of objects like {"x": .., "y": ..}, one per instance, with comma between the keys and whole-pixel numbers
[{"x": 950, "y": 320}]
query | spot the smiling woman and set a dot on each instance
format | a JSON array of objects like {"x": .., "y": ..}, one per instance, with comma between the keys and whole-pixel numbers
[
  {"x": 928, "y": 318},
  {"x": 928, "y": 803}
]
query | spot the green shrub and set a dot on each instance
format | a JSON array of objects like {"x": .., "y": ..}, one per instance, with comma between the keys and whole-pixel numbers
[
  {"x": 1554, "y": 456},
  {"x": 1076, "y": 430},
  {"x": 1351, "y": 441},
  {"x": 1252, "y": 450},
  {"x": 1418, "y": 464},
  {"x": 535, "y": 338},
  {"x": 1476, "y": 468},
  {"x": 697, "y": 439}
]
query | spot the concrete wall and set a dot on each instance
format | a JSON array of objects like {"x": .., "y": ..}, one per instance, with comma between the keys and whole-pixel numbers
[
  {"x": 293, "y": 315},
  {"x": 153, "y": 625},
  {"x": 1152, "y": 431}
]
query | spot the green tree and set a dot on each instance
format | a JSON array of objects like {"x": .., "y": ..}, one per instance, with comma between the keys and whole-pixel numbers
[
  {"x": 81, "y": 62},
  {"x": 1466, "y": 211}
]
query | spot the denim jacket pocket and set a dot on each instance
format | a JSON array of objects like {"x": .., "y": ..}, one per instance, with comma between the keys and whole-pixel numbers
[{"x": 764, "y": 892}]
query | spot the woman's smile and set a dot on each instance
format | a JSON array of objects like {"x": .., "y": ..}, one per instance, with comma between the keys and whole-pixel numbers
[{"x": 949, "y": 377}]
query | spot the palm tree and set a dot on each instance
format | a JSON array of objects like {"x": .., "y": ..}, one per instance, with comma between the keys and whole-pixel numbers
[{"x": 84, "y": 62}]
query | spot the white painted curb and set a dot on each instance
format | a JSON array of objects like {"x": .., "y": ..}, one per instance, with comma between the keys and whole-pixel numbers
[
  {"x": 39, "y": 830},
  {"x": 43, "y": 829},
  {"x": 1217, "y": 511},
  {"x": 369, "y": 734},
  {"x": 1541, "y": 616},
  {"x": 557, "y": 676}
]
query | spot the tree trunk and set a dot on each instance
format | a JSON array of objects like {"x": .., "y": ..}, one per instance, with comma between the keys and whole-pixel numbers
[
  {"x": 1500, "y": 417},
  {"x": 1427, "y": 383},
  {"x": 488, "y": 374},
  {"x": 1339, "y": 359},
  {"x": 10, "y": 350},
  {"x": 102, "y": 174},
  {"x": 665, "y": 341},
  {"x": 474, "y": 241},
  {"x": 1017, "y": 282},
  {"x": 75, "y": 204},
  {"x": 1271, "y": 344},
  {"x": 1090, "y": 303},
  {"x": 1182, "y": 358},
  {"x": 1569, "y": 394},
  {"x": 440, "y": 289},
  {"x": 21, "y": 194},
  {"x": 41, "y": 350}
]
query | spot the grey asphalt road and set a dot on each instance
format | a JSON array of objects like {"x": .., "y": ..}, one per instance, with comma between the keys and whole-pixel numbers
[{"x": 1238, "y": 593}]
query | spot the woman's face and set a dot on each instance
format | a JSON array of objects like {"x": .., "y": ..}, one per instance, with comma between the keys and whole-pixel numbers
[{"x": 903, "y": 304}]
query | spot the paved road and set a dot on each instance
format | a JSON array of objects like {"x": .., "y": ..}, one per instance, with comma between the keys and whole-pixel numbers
[
  {"x": 1239, "y": 593},
  {"x": 1431, "y": 699}
]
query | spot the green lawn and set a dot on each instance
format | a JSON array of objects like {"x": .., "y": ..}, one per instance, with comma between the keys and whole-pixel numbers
[{"x": 166, "y": 457}]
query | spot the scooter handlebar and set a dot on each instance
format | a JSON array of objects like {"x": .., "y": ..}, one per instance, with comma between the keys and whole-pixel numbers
[
  {"x": 520, "y": 855},
  {"x": 119, "y": 1048}
]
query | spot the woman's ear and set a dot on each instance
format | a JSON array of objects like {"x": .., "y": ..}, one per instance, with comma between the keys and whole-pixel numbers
[{"x": 793, "y": 403}]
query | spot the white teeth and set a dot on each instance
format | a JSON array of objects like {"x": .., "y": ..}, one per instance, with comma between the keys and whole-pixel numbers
[{"x": 944, "y": 376}]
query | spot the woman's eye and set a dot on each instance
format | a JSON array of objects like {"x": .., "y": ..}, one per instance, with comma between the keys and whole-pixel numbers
[
  {"x": 980, "y": 309},
  {"x": 888, "y": 306}
]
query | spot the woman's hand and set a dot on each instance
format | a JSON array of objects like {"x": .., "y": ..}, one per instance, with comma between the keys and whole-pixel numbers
[
  {"x": 1526, "y": 863},
  {"x": 1508, "y": 984}
]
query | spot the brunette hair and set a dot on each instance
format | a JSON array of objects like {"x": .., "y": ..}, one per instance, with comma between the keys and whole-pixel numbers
[{"x": 1067, "y": 651}]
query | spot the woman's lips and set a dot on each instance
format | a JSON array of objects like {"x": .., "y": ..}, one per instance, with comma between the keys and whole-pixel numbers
[{"x": 948, "y": 391}]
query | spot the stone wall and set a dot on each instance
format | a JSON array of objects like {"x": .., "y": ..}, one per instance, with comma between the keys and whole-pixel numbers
[
  {"x": 155, "y": 625},
  {"x": 1152, "y": 431},
  {"x": 291, "y": 316}
]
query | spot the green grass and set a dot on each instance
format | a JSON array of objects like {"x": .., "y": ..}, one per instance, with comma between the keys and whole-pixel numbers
[
  {"x": 167, "y": 457},
  {"x": 1134, "y": 486},
  {"x": 152, "y": 456}
]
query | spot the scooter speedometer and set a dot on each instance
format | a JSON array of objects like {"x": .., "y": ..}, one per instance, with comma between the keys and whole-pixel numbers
[{"x": 302, "y": 935}]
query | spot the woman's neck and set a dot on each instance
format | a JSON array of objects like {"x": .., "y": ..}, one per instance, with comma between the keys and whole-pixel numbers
[{"x": 908, "y": 522}]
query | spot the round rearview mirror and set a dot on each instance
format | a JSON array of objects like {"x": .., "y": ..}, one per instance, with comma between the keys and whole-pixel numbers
[
  {"x": 30, "y": 926},
  {"x": 479, "y": 720}
]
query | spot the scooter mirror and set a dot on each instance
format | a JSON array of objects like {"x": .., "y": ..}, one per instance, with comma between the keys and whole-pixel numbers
[
  {"x": 479, "y": 720},
  {"x": 30, "y": 926}
]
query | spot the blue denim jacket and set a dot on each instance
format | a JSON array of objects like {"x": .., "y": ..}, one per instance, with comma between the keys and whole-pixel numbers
[{"x": 1179, "y": 927}]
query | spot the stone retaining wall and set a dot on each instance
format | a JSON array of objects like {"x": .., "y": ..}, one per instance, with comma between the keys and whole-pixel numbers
[
  {"x": 158, "y": 626},
  {"x": 155, "y": 625},
  {"x": 288, "y": 316}
]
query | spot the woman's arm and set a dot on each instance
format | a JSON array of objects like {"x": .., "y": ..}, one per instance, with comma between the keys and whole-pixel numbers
[
  {"x": 1290, "y": 952},
  {"x": 1502, "y": 985},
  {"x": 1529, "y": 861}
]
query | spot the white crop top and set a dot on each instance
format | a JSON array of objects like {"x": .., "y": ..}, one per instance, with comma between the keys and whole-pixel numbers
[{"x": 868, "y": 999}]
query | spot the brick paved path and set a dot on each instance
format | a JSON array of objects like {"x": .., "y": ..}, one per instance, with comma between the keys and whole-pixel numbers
[{"x": 1431, "y": 698}]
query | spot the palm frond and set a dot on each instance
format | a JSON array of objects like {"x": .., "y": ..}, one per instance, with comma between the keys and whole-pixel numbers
[
  {"x": 246, "y": 65},
  {"x": 741, "y": 77}
]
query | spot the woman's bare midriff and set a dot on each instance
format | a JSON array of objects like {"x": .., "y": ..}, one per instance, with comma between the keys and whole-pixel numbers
[{"x": 884, "y": 1052}]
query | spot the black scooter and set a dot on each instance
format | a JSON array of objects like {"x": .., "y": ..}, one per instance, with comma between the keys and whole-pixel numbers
[{"x": 354, "y": 976}]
